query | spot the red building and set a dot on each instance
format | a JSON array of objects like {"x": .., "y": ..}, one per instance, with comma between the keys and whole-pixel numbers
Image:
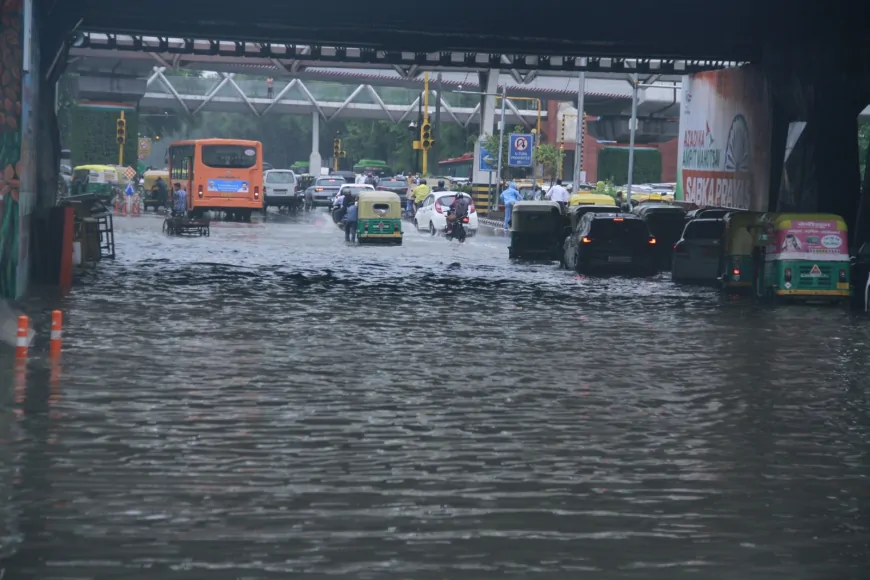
[{"x": 591, "y": 148}]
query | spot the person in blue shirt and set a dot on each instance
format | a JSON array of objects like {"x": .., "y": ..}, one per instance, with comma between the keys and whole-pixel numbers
[
  {"x": 350, "y": 226},
  {"x": 509, "y": 197},
  {"x": 179, "y": 208}
]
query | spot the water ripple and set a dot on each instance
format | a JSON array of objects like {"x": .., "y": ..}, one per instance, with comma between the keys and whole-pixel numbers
[{"x": 270, "y": 402}]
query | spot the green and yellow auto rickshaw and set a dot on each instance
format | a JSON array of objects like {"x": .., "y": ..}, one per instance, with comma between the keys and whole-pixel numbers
[
  {"x": 805, "y": 257},
  {"x": 380, "y": 217},
  {"x": 740, "y": 237},
  {"x": 151, "y": 197},
  {"x": 99, "y": 180}
]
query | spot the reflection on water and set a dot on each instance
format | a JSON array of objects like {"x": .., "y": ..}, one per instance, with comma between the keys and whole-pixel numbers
[{"x": 269, "y": 402}]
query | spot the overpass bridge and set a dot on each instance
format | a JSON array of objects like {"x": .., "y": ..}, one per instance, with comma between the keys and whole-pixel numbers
[
  {"x": 606, "y": 93},
  {"x": 328, "y": 101}
]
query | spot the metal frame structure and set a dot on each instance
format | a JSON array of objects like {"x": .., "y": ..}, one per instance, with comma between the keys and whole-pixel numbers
[
  {"x": 293, "y": 58},
  {"x": 325, "y": 110}
]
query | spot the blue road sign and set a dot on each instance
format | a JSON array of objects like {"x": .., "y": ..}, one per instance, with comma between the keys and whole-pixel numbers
[
  {"x": 482, "y": 163},
  {"x": 520, "y": 150}
]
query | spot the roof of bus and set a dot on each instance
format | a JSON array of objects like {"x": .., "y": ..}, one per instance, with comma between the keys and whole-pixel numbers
[{"x": 242, "y": 142}]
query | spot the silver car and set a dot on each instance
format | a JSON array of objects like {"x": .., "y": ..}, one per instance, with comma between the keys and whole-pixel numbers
[{"x": 698, "y": 253}]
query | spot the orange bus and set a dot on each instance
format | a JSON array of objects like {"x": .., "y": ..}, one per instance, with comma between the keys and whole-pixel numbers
[{"x": 219, "y": 175}]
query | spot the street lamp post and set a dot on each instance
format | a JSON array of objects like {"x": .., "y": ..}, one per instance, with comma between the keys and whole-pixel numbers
[
  {"x": 632, "y": 131},
  {"x": 635, "y": 85},
  {"x": 500, "y": 145},
  {"x": 578, "y": 149}
]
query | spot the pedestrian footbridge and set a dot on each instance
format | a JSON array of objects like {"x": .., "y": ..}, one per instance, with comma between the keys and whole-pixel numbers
[{"x": 328, "y": 100}]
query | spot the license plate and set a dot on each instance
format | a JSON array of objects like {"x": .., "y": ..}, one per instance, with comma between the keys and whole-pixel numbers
[
  {"x": 619, "y": 259},
  {"x": 281, "y": 192},
  {"x": 842, "y": 285},
  {"x": 228, "y": 195}
]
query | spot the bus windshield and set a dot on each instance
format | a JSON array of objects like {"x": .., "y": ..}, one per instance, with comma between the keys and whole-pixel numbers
[{"x": 229, "y": 156}]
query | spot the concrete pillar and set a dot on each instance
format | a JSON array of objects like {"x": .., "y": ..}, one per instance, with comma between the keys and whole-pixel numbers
[
  {"x": 315, "y": 162},
  {"x": 488, "y": 85},
  {"x": 817, "y": 116}
]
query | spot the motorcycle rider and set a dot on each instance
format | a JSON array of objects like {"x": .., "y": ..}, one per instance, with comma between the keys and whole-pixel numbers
[
  {"x": 458, "y": 210},
  {"x": 440, "y": 186}
]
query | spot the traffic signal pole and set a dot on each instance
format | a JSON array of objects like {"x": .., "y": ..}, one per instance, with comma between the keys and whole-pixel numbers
[
  {"x": 337, "y": 151},
  {"x": 424, "y": 129},
  {"x": 122, "y": 138}
]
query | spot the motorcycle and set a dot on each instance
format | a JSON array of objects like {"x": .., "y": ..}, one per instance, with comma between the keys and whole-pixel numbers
[{"x": 457, "y": 232}]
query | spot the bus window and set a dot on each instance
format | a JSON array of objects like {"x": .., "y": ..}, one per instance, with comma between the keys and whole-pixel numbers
[
  {"x": 229, "y": 156},
  {"x": 181, "y": 162}
]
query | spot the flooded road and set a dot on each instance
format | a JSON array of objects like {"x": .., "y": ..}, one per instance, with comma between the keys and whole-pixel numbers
[{"x": 270, "y": 403}]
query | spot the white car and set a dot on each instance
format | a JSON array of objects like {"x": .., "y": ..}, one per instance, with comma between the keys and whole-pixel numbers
[
  {"x": 353, "y": 189},
  {"x": 279, "y": 189},
  {"x": 432, "y": 215}
]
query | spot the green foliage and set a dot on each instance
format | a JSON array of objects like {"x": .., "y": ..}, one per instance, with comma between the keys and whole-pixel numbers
[
  {"x": 93, "y": 137},
  {"x": 613, "y": 164},
  {"x": 605, "y": 187},
  {"x": 286, "y": 138},
  {"x": 550, "y": 156}
]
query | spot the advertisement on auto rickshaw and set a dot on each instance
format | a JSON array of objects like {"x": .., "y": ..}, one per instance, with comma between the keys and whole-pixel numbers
[{"x": 811, "y": 240}]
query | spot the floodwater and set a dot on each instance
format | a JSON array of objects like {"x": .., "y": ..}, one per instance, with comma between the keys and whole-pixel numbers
[{"x": 271, "y": 403}]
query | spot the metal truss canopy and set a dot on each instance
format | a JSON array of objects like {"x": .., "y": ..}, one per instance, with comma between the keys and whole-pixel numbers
[
  {"x": 226, "y": 94},
  {"x": 292, "y": 57}
]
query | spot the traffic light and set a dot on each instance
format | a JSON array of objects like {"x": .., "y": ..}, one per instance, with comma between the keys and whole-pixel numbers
[
  {"x": 122, "y": 131},
  {"x": 426, "y": 138},
  {"x": 336, "y": 147}
]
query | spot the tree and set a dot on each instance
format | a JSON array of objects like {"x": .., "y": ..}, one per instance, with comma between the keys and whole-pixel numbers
[{"x": 550, "y": 156}]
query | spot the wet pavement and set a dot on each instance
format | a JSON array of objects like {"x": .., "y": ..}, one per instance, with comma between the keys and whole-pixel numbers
[{"x": 270, "y": 403}]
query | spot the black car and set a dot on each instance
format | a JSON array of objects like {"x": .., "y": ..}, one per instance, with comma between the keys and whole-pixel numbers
[
  {"x": 397, "y": 185},
  {"x": 349, "y": 176},
  {"x": 323, "y": 191},
  {"x": 611, "y": 242},
  {"x": 666, "y": 224}
]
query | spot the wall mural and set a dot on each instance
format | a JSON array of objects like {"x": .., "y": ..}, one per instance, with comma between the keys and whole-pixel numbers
[{"x": 10, "y": 144}]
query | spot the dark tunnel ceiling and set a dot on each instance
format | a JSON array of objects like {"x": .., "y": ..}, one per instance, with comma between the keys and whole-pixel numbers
[{"x": 696, "y": 29}]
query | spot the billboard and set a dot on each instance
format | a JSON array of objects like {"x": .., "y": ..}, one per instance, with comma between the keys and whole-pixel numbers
[{"x": 724, "y": 140}]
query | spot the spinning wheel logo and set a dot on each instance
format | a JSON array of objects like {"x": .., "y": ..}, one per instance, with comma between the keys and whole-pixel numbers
[{"x": 737, "y": 149}]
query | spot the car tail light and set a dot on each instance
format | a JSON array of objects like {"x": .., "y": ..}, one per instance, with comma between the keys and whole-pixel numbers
[
  {"x": 788, "y": 274},
  {"x": 736, "y": 272},
  {"x": 618, "y": 219},
  {"x": 586, "y": 240},
  {"x": 199, "y": 191},
  {"x": 318, "y": 189},
  {"x": 652, "y": 241},
  {"x": 465, "y": 220},
  {"x": 257, "y": 192},
  {"x": 438, "y": 207},
  {"x": 842, "y": 275}
]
